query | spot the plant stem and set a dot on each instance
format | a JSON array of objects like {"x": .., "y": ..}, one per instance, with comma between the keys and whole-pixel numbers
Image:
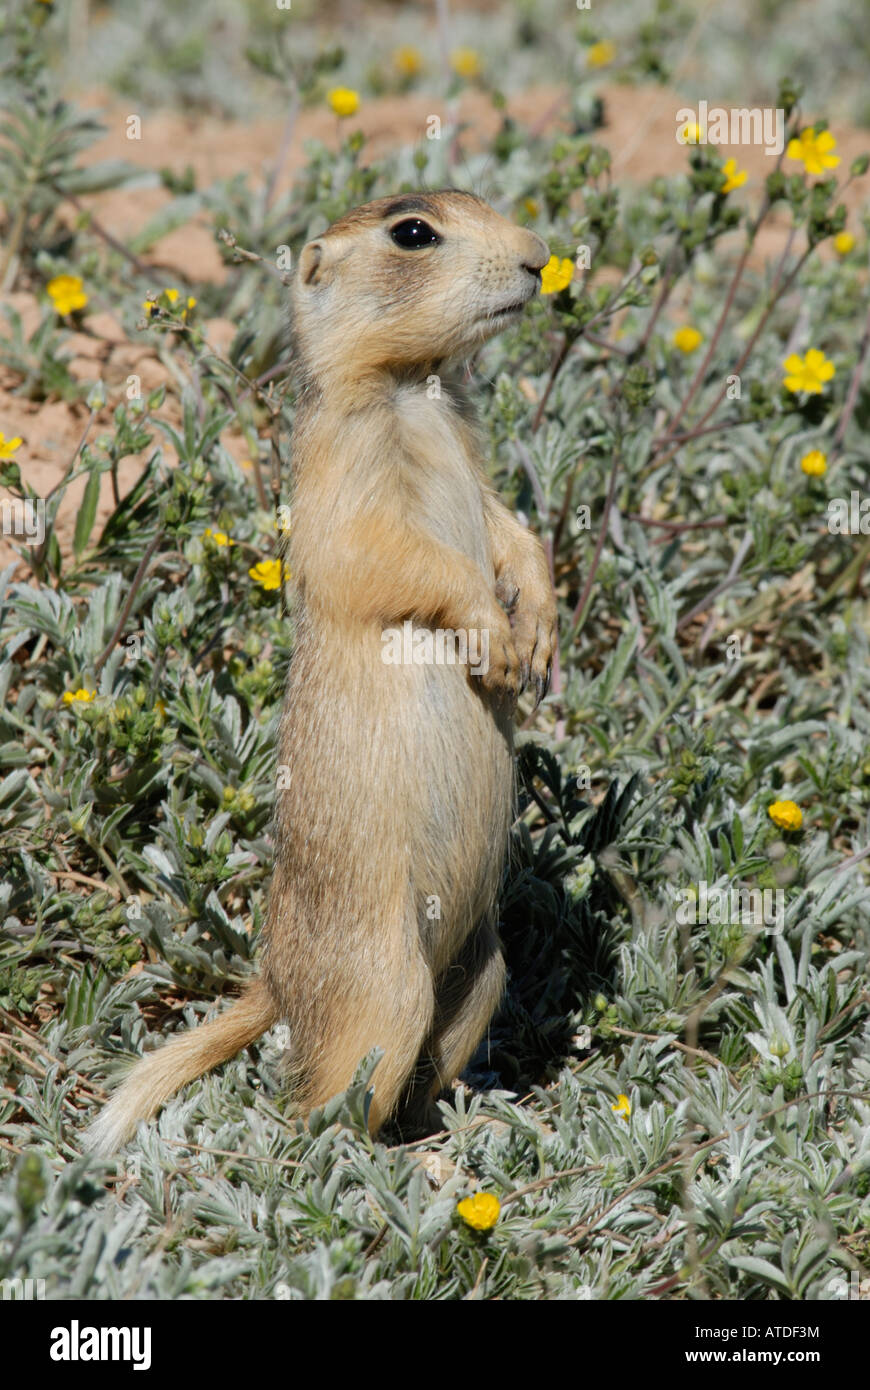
[
  {"x": 579, "y": 614},
  {"x": 656, "y": 461},
  {"x": 854, "y": 385},
  {"x": 555, "y": 368},
  {"x": 128, "y": 603}
]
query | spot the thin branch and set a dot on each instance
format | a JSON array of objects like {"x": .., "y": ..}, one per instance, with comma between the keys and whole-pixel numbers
[
  {"x": 102, "y": 233},
  {"x": 128, "y": 603},
  {"x": 854, "y": 385},
  {"x": 730, "y": 579},
  {"x": 580, "y": 610},
  {"x": 555, "y": 368},
  {"x": 283, "y": 151},
  {"x": 608, "y": 346},
  {"x": 656, "y": 461},
  {"x": 678, "y": 526}
]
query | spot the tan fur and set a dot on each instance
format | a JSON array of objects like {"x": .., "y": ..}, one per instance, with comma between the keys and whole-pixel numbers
[
  {"x": 159, "y": 1075},
  {"x": 400, "y": 776}
]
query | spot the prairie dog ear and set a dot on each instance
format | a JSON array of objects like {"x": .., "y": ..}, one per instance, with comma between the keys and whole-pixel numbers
[{"x": 313, "y": 263}]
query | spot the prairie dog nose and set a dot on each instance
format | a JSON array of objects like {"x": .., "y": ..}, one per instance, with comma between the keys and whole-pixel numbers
[{"x": 534, "y": 253}]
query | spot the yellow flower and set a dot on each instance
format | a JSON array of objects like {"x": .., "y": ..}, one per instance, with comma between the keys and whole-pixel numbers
[
  {"x": 171, "y": 295},
  {"x": 786, "y": 814},
  {"x": 808, "y": 373},
  {"x": 160, "y": 708},
  {"x": 480, "y": 1211},
  {"x": 734, "y": 177},
  {"x": 408, "y": 60},
  {"x": 343, "y": 101},
  {"x": 814, "y": 151},
  {"x": 67, "y": 293},
  {"x": 600, "y": 54},
  {"x": 267, "y": 574},
  {"x": 8, "y": 446},
  {"x": 219, "y": 537},
  {"x": 687, "y": 338},
  {"x": 70, "y": 696},
  {"x": 622, "y": 1106},
  {"x": 556, "y": 275},
  {"x": 844, "y": 242},
  {"x": 465, "y": 61},
  {"x": 691, "y": 133},
  {"x": 815, "y": 463},
  {"x": 531, "y": 207}
]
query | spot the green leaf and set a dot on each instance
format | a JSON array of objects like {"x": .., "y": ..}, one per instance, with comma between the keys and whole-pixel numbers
[
  {"x": 87, "y": 512},
  {"x": 764, "y": 1270}
]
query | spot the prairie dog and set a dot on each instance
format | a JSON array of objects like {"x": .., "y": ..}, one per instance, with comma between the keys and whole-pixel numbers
[{"x": 391, "y": 836}]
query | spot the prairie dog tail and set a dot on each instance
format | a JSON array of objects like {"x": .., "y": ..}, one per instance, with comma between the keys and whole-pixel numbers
[{"x": 159, "y": 1075}]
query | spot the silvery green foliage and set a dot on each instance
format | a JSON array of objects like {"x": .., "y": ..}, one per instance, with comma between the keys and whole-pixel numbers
[
  {"x": 136, "y": 850},
  {"x": 266, "y": 1209}
]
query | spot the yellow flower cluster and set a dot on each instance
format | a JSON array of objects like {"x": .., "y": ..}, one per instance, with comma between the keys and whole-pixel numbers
[
  {"x": 814, "y": 151},
  {"x": 815, "y": 463},
  {"x": 170, "y": 298},
  {"x": 808, "y": 373},
  {"x": 71, "y": 696},
  {"x": 67, "y": 293},
  {"x": 407, "y": 60},
  {"x": 8, "y": 446},
  {"x": 691, "y": 133},
  {"x": 556, "y": 275},
  {"x": 465, "y": 62},
  {"x": 239, "y": 800},
  {"x": 480, "y": 1211},
  {"x": 786, "y": 814},
  {"x": 268, "y": 574},
  {"x": 344, "y": 101},
  {"x": 600, "y": 54},
  {"x": 687, "y": 339},
  {"x": 622, "y": 1106},
  {"x": 734, "y": 177}
]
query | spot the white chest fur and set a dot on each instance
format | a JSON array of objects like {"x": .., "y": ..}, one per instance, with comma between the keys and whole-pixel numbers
[{"x": 440, "y": 474}]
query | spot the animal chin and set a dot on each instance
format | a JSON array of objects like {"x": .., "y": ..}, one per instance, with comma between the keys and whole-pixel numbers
[{"x": 506, "y": 311}]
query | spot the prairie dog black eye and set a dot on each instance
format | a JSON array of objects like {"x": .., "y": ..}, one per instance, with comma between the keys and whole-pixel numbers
[{"x": 413, "y": 233}]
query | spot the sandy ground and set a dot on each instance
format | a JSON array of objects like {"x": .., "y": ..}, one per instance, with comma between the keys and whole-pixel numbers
[{"x": 640, "y": 133}]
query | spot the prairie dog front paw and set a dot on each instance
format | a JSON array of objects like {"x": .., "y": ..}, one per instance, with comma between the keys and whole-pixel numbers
[
  {"x": 500, "y": 664},
  {"x": 533, "y": 624}
]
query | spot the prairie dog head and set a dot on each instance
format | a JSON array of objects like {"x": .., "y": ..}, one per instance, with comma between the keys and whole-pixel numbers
[{"x": 405, "y": 282}]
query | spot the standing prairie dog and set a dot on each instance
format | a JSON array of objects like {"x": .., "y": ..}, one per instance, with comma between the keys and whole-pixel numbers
[{"x": 391, "y": 836}]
